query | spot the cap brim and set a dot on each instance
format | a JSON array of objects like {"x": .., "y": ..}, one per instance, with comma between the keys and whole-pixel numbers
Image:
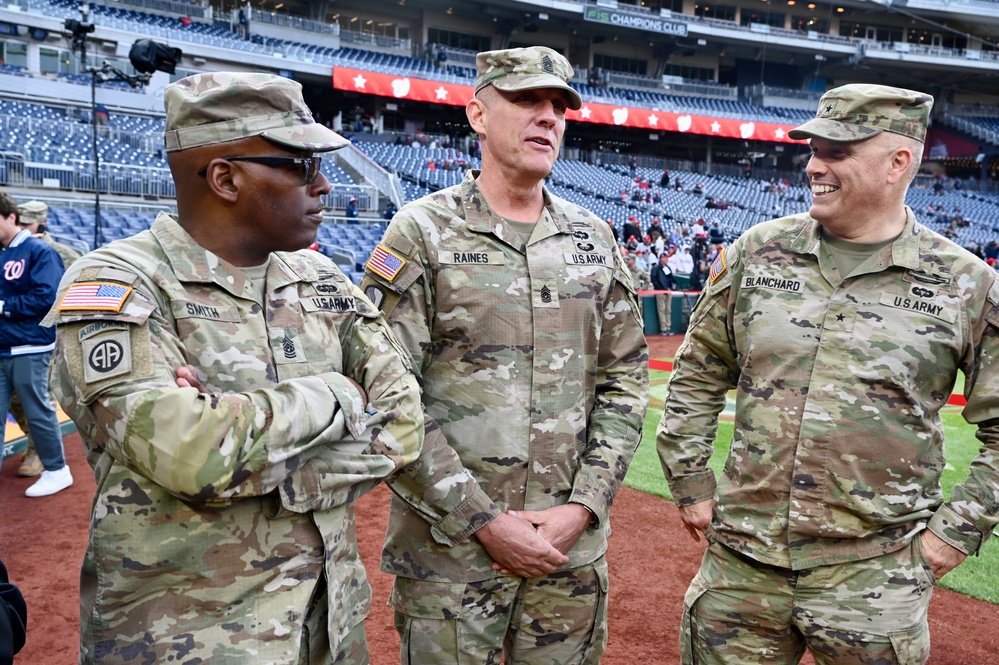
[
  {"x": 832, "y": 130},
  {"x": 313, "y": 137},
  {"x": 536, "y": 82}
]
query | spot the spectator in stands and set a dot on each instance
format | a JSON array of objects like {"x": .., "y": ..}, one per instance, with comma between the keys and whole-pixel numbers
[
  {"x": 842, "y": 330},
  {"x": 222, "y": 529},
  {"x": 31, "y": 274},
  {"x": 352, "y": 211},
  {"x": 610, "y": 223},
  {"x": 244, "y": 23},
  {"x": 992, "y": 250},
  {"x": 682, "y": 262},
  {"x": 661, "y": 278},
  {"x": 631, "y": 228},
  {"x": 715, "y": 233},
  {"x": 33, "y": 216},
  {"x": 697, "y": 227},
  {"x": 525, "y": 586},
  {"x": 390, "y": 210},
  {"x": 664, "y": 179}
]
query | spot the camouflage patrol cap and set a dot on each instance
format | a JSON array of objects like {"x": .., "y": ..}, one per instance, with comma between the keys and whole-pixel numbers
[
  {"x": 528, "y": 68},
  {"x": 858, "y": 111},
  {"x": 32, "y": 211},
  {"x": 216, "y": 107}
]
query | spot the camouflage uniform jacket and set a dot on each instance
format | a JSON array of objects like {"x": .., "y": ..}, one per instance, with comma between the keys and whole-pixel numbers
[
  {"x": 838, "y": 445},
  {"x": 217, "y": 515},
  {"x": 640, "y": 278},
  {"x": 531, "y": 359}
]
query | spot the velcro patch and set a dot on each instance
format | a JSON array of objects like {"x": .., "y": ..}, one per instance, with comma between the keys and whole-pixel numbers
[
  {"x": 385, "y": 263},
  {"x": 89, "y": 296},
  {"x": 329, "y": 304},
  {"x": 478, "y": 258},
  {"x": 718, "y": 267},
  {"x": 599, "y": 260},
  {"x": 106, "y": 355},
  {"x": 100, "y": 326}
]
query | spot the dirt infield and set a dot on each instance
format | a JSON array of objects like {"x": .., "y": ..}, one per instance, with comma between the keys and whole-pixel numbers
[{"x": 651, "y": 561}]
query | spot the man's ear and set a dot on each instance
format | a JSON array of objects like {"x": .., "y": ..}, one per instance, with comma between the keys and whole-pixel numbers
[
  {"x": 223, "y": 179},
  {"x": 901, "y": 159},
  {"x": 475, "y": 111}
]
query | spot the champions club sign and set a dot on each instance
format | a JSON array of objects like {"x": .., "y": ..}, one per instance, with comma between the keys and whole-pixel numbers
[{"x": 647, "y": 23}]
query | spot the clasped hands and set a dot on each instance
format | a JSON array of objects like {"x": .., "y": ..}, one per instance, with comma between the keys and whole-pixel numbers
[{"x": 533, "y": 543}]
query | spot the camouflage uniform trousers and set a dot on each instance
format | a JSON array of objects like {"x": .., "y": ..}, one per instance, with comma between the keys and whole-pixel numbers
[
  {"x": 558, "y": 619},
  {"x": 352, "y": 649},
  {"x": 738, "y": 610}
]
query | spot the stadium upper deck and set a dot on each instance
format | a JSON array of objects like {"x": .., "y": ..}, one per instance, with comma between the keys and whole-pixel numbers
[{"x": 708, "y": 84}]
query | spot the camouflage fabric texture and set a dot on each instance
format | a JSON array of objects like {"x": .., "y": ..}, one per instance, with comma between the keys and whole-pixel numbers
[
  {"x": 215, "y": 107},
  {"x": 33, "y": 211},
  {"x": 527, "y": 68},
  {"x": 871, "y": 611},
  {"x": 532, "y": 361},
  {"x": 860, "y": 110},
  {"x": 838, "y": 445},
  {"x": 640, "y": 279},
  {"x": 221, "y": 518},
  {"x": 556, "y": 619}
]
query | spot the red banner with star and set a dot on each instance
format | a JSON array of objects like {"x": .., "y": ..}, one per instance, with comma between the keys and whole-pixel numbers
[{"x": 423, "y": 90}]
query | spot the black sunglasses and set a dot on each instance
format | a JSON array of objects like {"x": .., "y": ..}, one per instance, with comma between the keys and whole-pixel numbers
[{"x": 308, "y": 165}]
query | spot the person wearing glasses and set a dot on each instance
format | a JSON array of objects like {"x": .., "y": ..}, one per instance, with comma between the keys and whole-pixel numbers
[
  {"x": 234, "y": 396},
  {"x": 524, "y": 328}
]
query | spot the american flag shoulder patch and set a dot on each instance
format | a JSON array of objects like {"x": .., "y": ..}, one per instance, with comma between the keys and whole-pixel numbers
[
  {"x": 102, "y": 296},
  {"x": 718, "y": 266},
  {"x": 385, "y": 263}
]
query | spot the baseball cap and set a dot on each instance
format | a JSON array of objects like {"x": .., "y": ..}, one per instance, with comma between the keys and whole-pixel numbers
[
  {"x": 217, "y": 107},
  {"x": 527, "y": 68},
  {"x": 860, "y": 110},
  {"x": 32, "y": 211}
]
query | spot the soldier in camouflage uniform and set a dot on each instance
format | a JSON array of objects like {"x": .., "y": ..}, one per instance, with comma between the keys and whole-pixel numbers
[
  {"x": 639, "y": 277},
  {"x": 33, "y": 215},
  {"x": 234, "y": 396},
  {"x": 524, "y": 328},
  {"x": 842, "y": 332}
]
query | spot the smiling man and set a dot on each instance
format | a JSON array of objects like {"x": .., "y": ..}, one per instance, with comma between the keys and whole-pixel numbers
[
  {"x": 234, "y": 397},
  {"x": 524, "y": 329},
  {"x": 842, "y": 331}
]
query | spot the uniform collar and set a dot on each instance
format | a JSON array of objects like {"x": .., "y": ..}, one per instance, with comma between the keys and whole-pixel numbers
[
  {"x": 479, "y": 216},
  {"x": 192, "y": 263},
  {"x": 904, "y": 250}
]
